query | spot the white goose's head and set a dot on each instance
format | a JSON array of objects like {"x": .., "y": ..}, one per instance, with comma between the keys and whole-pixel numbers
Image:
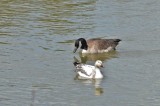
[{"x": 99, "y": 63}]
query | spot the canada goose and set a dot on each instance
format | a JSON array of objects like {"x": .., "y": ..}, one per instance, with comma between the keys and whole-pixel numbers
[
  {"x": 96, "y": 45},
  {"x": 85, "y": 71}
]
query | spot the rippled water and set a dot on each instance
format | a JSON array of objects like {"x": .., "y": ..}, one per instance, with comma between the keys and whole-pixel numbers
[{"x": 36, "y": 44}]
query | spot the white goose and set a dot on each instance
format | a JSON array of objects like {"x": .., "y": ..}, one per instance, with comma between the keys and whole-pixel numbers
[
  {"x": 85, "y": 71},
  {"x": 96, "y": 45}
]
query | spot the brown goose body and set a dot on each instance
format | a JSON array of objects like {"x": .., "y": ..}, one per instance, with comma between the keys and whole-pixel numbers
[{"x": 96, "y": 45}]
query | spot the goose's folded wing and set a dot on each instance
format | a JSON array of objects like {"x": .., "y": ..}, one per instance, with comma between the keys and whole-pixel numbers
[
  {"x": 88, "y": 69},
  {"x": 83, "y": 72},
  {"x": 85, "y": 69}
]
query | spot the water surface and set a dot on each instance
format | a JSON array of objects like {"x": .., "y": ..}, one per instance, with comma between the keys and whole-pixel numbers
[{"x": 36, "y": 44}]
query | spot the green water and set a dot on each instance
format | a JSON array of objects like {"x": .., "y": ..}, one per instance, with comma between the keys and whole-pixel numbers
[{"x": 36, "y": 44}]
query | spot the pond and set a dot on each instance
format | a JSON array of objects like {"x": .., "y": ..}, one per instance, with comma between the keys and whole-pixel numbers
[{"x": 36, "y": 52}]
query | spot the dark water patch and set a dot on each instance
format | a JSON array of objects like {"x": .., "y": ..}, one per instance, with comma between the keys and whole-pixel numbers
[
  {"x": 4, "y": 99},
  {"x": 4, "y": 33},
  {"x": 4, "y": 43},
  {"x": 45, "y": 48},
  {"x": 59, "y": 50},
  {"x": 57, "y": 21},
  {"x": 66, "y": 42},
  {"x": 42, "y": 86}
]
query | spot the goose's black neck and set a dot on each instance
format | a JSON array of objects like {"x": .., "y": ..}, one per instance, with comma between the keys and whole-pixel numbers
[{"x": 83, "y": 42}]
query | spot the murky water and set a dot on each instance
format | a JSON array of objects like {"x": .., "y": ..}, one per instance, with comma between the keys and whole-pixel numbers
[{"x": 36, "y": 44}]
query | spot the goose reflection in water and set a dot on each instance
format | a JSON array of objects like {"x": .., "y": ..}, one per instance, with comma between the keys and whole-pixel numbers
[
  {"x": 93, "y": 57},
  {"x": 96, "y": 83}
]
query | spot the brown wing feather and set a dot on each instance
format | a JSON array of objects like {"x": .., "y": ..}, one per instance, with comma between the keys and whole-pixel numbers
[{"x": 100, "y": 44}]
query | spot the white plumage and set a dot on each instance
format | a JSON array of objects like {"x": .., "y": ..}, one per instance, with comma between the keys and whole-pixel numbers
[{"x": 85, "y": 71}]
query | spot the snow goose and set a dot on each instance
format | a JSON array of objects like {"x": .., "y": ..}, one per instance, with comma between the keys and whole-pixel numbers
[
  {"x": 85, "y": 71},
  {"x": 96, "y": 45}
]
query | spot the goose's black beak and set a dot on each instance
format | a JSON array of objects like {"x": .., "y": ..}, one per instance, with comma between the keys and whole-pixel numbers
[
  {"x": 102, "y": 66},
  {"x": 75, "y": 49}
]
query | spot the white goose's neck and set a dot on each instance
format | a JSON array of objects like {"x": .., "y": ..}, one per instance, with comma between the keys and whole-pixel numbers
[{"x": 98, "y": 73}]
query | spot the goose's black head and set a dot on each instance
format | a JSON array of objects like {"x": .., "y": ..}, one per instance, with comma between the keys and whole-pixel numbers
[{"x": 83, "y": 44}]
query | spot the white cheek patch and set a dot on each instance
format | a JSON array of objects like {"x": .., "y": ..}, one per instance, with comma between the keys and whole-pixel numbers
[{"x": 84, "y": 51}]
